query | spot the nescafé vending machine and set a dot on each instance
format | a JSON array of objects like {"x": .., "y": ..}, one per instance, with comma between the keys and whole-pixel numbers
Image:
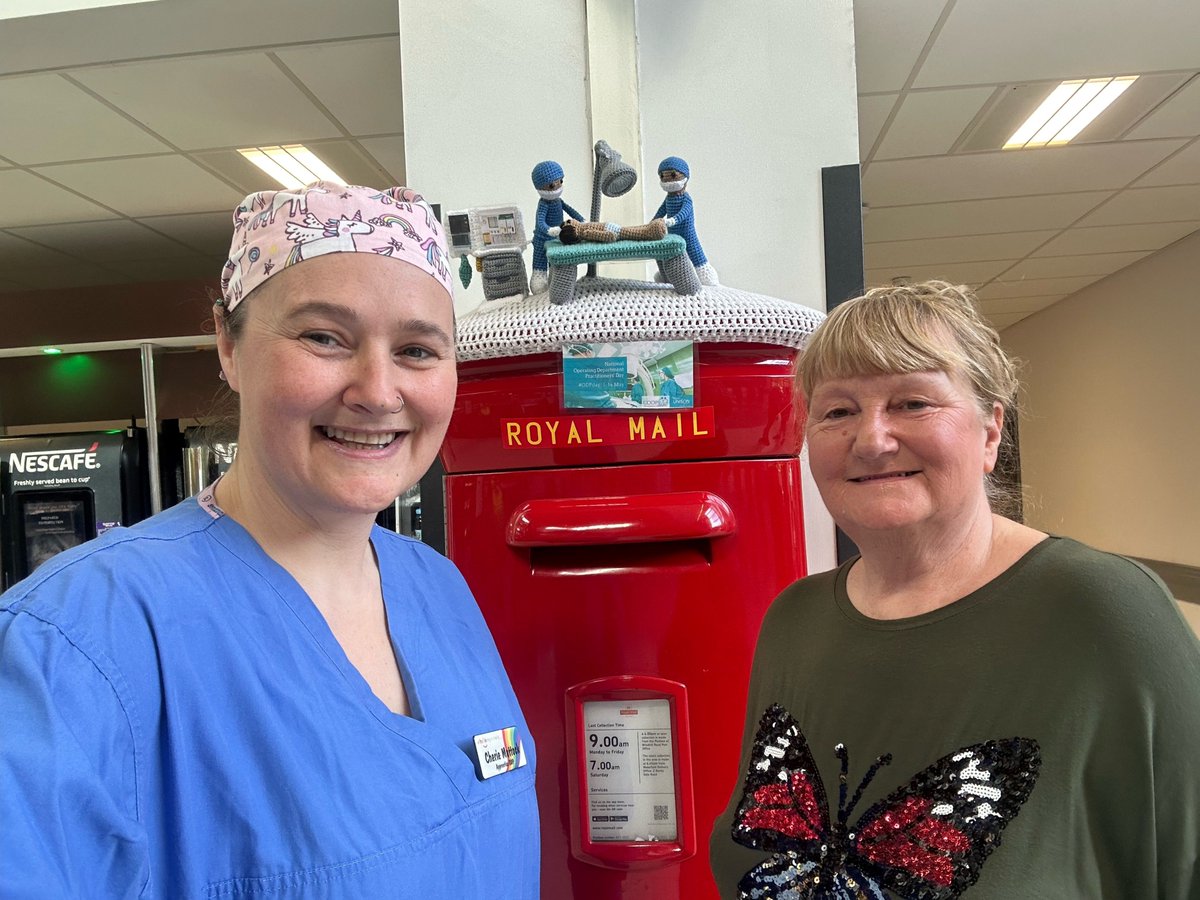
[
  {"x": 624, "y": 512},
  {"x": 57, "y": 491}
]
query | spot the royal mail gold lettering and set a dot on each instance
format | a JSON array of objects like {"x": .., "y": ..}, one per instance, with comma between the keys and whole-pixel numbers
[{"x": 665, "y": 427}]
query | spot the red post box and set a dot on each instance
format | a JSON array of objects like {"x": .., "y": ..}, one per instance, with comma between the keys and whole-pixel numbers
[{"x": 624, "y": 560}]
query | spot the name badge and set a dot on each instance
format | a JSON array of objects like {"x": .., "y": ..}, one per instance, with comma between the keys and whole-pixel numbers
[{"x": 498, "y": 752}]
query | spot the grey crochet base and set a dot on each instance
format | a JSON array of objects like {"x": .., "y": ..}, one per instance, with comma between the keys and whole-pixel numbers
[{"x": 612, "y": 309}]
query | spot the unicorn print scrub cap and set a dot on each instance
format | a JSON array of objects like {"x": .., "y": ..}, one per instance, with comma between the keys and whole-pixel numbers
[{"x": 276, "y": 229}]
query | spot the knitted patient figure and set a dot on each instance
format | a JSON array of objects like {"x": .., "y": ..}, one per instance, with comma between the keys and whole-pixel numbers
[
  {"x": 606, "y": 232},
  {"x": 676, "y": 211}
]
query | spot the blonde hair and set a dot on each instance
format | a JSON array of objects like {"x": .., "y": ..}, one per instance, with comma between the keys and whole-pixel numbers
[{"x": 928, "y": 327}]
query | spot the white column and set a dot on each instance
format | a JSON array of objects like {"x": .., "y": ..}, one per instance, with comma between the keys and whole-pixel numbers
[
  {"x": 615, "y": 110},
  {"x": 757, "y": 96}
]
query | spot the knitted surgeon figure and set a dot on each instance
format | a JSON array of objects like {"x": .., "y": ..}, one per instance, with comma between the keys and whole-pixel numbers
[
  {"x": 548, "y": 179},
  {"x": 677, "y": 212}
]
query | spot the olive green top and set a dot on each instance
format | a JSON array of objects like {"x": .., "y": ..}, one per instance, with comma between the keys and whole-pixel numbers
[{"x": 1082, "y": 651}]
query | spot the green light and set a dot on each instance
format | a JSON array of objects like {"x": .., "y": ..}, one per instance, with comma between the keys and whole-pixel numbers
[
  {"x": 51, "y": 351},
  {"x": 73, "y": 373}
]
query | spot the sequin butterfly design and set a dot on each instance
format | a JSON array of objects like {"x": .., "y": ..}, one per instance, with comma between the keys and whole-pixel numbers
[{"x": 925, "y": 841}]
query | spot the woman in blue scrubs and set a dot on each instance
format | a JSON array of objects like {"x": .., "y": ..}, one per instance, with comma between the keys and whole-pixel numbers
[{"x": 259, "y": 692}]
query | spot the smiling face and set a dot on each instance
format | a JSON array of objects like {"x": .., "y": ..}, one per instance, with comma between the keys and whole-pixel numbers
[
  {"x": 346, "y": 377},
  {"x": 902, "y": 451}
]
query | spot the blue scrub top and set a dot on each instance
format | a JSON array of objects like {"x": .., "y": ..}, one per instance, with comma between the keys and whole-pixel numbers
[{"x": 177, "y": 721}]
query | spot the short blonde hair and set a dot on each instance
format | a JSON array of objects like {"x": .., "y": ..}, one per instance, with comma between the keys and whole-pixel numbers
[{"x": 928, "y": 327}]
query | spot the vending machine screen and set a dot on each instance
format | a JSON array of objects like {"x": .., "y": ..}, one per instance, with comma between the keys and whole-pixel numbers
[{"x": 53, "y": 521}]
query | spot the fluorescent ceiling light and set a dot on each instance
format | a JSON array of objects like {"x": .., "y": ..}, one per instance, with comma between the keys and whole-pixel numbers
[
  {"x": 1069, "y": 109},
  {"x": 292, "y": 165},
  {"x": 1111, "y": 92}
]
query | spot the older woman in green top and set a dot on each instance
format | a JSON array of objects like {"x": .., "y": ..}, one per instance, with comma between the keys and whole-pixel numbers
[{"x": 1004, "y": 713}]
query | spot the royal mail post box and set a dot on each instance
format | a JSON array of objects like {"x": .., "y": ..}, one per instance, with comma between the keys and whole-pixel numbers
[{"x": 624, "y": 560}]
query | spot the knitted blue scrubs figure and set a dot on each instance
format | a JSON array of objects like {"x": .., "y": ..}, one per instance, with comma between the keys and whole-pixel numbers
[
  {"x": 677, "y": 212},
  {"x": 548, "y": 179}
]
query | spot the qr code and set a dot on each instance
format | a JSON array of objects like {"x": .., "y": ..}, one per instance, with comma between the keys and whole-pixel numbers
[{"x": 660, "y": 812}]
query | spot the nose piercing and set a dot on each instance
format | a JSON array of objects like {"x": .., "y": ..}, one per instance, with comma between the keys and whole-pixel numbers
[{"x": 399, "y": 408}]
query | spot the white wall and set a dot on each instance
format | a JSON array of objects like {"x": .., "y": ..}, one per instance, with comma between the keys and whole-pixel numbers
[
  {"x": 757, "y": 96},
  {"x": 1111, "y": 434},
  {"x": 1191, "y": 612},
  {"x": 490, "y": 90}
]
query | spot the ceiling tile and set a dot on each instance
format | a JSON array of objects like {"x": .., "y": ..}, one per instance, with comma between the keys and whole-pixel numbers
[
  {"x": 929, "y": 122},
  {"x": 85, "y": 36},
  {"x": 389, "y": 153},
  {"x": 1018, "y": 304},
  {"x": 236, "y": 169},
  {"x": 970, "y": 248},
  {"x": 29, "y": 200},
  {"x": 1000, "y": 321},
  {"x": 1035, "y": 287},
  {"x": 972, "y": 273},
  {"x": 1043, "y": 211},
  {"x": 888, "y": 39},
  {"x": 1088, "y": 167},
  {"x": 104, "y": 242},
  {"x": 1072, "y": 266},
  {"x": 153, "y": 185},
  {"x": 872, "y": 113},
  {"x": 1182, "y": 168},
  {"x": 985, "y": 42},
  {"x": 1178, "y": 117},
  {"x": 1117, "y": 238},
  {"x": 1163, "y": 204},
  {"x": 205, "y": 232},
  {"x": 16, "y": 253},
  {"x": 333, "y": 72},
  {"x": 44, "y": 116},
  {"x": 232, "y": 100}
]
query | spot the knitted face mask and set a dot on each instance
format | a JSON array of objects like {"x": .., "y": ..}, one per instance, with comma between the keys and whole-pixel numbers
[
  {"x": 273, "y": 230},
  {"x": 550, "y": 195},
  {"x": 673, "y": 187}
]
